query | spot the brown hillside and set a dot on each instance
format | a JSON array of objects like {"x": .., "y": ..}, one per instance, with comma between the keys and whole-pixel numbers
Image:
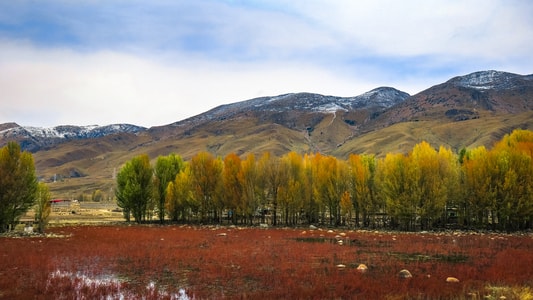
[{"x": 467, "y": 111}]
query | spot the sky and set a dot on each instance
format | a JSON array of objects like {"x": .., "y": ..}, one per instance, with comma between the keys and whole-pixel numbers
[{"x": 152, "y": 63}]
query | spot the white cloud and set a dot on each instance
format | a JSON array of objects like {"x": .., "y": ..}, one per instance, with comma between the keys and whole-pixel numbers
[
  {"x": 157, "y": 62},
  {"x": 408, "y": 28},
  {"x": 53, "y": 87}
]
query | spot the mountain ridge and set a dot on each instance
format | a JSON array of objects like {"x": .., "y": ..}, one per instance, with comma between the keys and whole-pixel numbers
[
  {"x": 465, "y": 111},
  {"x": 33, "y": 138}
]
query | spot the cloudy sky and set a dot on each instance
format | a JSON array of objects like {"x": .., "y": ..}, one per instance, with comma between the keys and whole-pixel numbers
[{"x": 156, "y": 62}]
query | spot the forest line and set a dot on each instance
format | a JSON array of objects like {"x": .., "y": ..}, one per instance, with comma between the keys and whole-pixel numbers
[{"x": 424, "y": 189}]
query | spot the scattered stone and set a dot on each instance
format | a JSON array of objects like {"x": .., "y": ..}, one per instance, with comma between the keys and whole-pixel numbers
[
  {"x": 340, "y": 242},
  {"x": 222, "y": 234},
  {"x": 405, "y": 274},
  {"x": 452, "y": 280},
  {"x": 313, "y": 227},
  {"x": 342, "y": 234},
  {"x": 341, "y": 266},
  {"x": 263, "y": 225},
  {"x": 362, "y": 268}
]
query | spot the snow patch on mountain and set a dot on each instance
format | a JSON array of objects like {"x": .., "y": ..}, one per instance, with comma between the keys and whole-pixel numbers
[
  {"x": 70, "y": 132},
  {"x": 486, "y": 80},
  {"x": 330, "y": 108}
]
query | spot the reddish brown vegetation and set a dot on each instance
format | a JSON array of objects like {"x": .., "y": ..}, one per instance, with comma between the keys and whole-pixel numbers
[{"x": 156, "y": 262}]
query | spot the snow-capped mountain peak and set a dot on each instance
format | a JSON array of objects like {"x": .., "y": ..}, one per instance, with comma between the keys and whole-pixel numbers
[{"x": 33, "y": 138}]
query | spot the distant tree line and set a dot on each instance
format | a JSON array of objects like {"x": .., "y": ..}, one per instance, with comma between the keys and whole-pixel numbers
[{"x": 425, "y": 189}]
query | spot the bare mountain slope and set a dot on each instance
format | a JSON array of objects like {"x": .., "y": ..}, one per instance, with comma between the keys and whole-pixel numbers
[{"x": 472, "y": 96}]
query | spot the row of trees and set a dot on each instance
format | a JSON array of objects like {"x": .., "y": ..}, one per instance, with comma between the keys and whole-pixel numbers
[
  {"x": 477, "y": 188},
  {"x": 19, "y": 189}
]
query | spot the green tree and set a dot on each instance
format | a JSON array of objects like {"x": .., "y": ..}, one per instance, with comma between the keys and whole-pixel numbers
[
  {"x": 42, "y": 207},
  {"x": 18, "y": 184},
  {"x": 134, "y": 188},
  {"x": 165, "y": 171}
]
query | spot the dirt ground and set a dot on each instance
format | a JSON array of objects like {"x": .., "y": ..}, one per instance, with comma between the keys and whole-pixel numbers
[{"x": 80, "y": 213}]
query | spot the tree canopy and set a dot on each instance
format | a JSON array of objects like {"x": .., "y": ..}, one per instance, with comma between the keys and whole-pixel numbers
[
  {"x": 423, "y": 189},
  {"x": 18, "y": 184},
  {"x": 134, "y": 188}
]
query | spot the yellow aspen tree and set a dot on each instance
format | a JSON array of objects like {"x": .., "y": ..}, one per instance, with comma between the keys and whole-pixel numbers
[
  {"x": 232, "y": 188},
  {"x": 328, "y": 186},
  {"x": 179, "y": 200},
  {"x": 291, "y": 200},
  {"x": 205, "y": 172},
  {"x": 347, "y": 207},
  {"x": 362, "y": 186},
  {"x": 449, "y": 171},
  {"x": 512, "y": 176},
  {"x": 394, "y": 187},
  {"x": 275, "y": 175},
  {"x": 310, "y": 205},
  {"x": 476, "y": 188},
  {"x": 249, "y": 179}
]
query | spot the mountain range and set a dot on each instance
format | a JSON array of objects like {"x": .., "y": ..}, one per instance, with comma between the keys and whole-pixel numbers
[{"x": 465, "y": 111}]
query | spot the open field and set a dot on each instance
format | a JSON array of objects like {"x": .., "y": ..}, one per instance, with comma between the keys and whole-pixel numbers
[
  {"x": 80, "y": 213},
  {"x": 208, "y": 262}
]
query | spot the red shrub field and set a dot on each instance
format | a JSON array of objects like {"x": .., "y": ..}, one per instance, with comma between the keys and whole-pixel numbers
[{"x": 187, "y": 262}]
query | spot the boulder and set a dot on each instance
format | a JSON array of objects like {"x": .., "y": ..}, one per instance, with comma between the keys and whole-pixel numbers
[
  {"x": 452, "y": 280},
  {"x": 362, "y": 268},
  {"x": 341, "y": 266},
  {"x": 405, "y": 274}
]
